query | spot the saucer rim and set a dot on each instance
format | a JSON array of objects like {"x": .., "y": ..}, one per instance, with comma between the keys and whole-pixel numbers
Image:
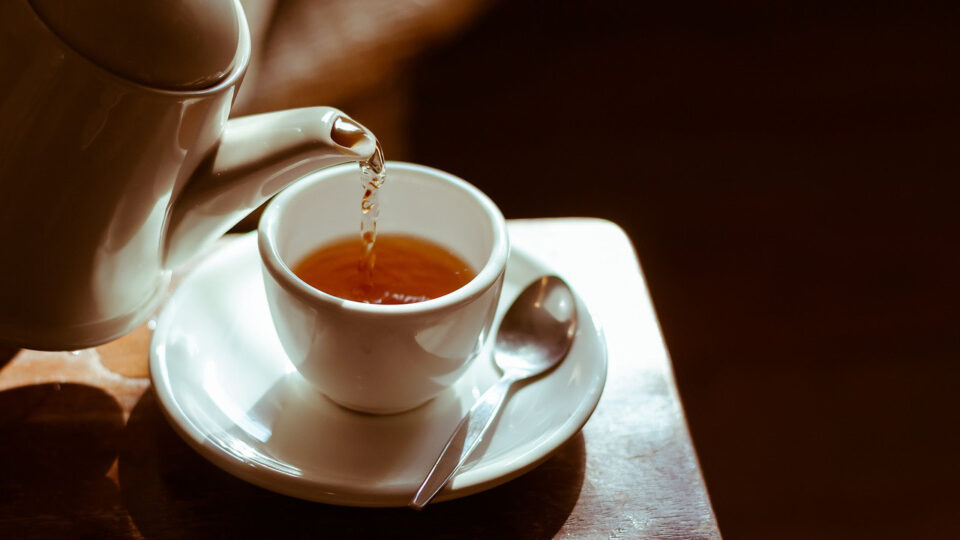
[{"x": 468, "y": 482}]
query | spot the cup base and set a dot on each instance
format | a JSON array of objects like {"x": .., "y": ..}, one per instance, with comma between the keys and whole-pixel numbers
[{"x": 367, "y": 410}]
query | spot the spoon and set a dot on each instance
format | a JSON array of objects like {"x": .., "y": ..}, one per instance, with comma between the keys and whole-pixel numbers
[{"x": 534, "y": 337}]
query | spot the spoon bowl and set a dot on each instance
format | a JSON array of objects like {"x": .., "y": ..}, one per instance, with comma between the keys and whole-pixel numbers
[{"x": 538, "y": 329}]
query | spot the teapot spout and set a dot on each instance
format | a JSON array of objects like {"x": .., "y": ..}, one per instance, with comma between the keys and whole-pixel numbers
[{"x": 258, "y": 156}]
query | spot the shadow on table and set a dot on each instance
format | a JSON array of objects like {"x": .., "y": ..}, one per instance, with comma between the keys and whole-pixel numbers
[
  {"x": 171, "y": 491},
  {"x": 57, "y": 442}
]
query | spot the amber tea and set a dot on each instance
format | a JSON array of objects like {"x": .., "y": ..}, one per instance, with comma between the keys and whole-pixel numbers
[{"x": 408, "y": 269}]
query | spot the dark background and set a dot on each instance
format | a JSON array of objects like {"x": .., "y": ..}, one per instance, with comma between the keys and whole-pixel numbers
[{"x": 788, "y": 175}]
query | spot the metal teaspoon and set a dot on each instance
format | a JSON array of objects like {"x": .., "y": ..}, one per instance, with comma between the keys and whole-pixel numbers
[{"x": 534, "y": 337}]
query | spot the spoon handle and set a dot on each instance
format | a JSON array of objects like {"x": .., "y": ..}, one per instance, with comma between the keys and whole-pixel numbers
[{"x": 463, "y": 442}]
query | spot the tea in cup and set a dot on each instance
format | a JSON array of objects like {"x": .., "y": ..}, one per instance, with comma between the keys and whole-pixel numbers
[
  {"x": 394, "y": 343},
  {"x": 407, "y": 269}
]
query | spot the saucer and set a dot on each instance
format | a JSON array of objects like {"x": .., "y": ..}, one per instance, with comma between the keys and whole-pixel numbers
[{"x": 227, "y": 387}]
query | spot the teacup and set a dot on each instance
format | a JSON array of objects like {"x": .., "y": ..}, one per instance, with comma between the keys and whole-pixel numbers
[{"x": 382, "y": 358}]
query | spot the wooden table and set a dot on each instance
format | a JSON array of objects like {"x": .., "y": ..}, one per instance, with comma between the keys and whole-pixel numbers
[{"x": 85, "y": 450}]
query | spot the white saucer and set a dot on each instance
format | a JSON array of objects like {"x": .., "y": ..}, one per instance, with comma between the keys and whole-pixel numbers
[{"x": 226, "y": 386}]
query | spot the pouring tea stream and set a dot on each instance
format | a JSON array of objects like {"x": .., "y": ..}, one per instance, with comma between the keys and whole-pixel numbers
[{"x": 118, "y": 161}]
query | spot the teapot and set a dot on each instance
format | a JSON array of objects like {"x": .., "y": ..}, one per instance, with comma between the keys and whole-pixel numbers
[{"x": 118, "y": 161}]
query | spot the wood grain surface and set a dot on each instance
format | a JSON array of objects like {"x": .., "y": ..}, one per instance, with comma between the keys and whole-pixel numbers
[{"x": 85, "y": 451}]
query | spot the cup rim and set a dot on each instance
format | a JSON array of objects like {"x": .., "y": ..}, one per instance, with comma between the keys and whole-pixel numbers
[{"x": 486, "y": 277}]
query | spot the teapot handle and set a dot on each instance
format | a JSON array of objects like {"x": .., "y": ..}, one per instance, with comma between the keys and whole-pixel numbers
[{"x": 258, "y": 156}]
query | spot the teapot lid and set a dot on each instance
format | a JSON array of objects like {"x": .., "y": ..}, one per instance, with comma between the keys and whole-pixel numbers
[{"x": 170, "y": 44}]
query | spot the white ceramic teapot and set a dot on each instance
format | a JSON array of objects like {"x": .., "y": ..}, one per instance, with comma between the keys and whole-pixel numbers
[{"x": 117, "y": 161}]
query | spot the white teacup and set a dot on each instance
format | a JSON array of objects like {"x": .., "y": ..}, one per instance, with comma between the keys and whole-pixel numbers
[{"x": 382, "y": 358}]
